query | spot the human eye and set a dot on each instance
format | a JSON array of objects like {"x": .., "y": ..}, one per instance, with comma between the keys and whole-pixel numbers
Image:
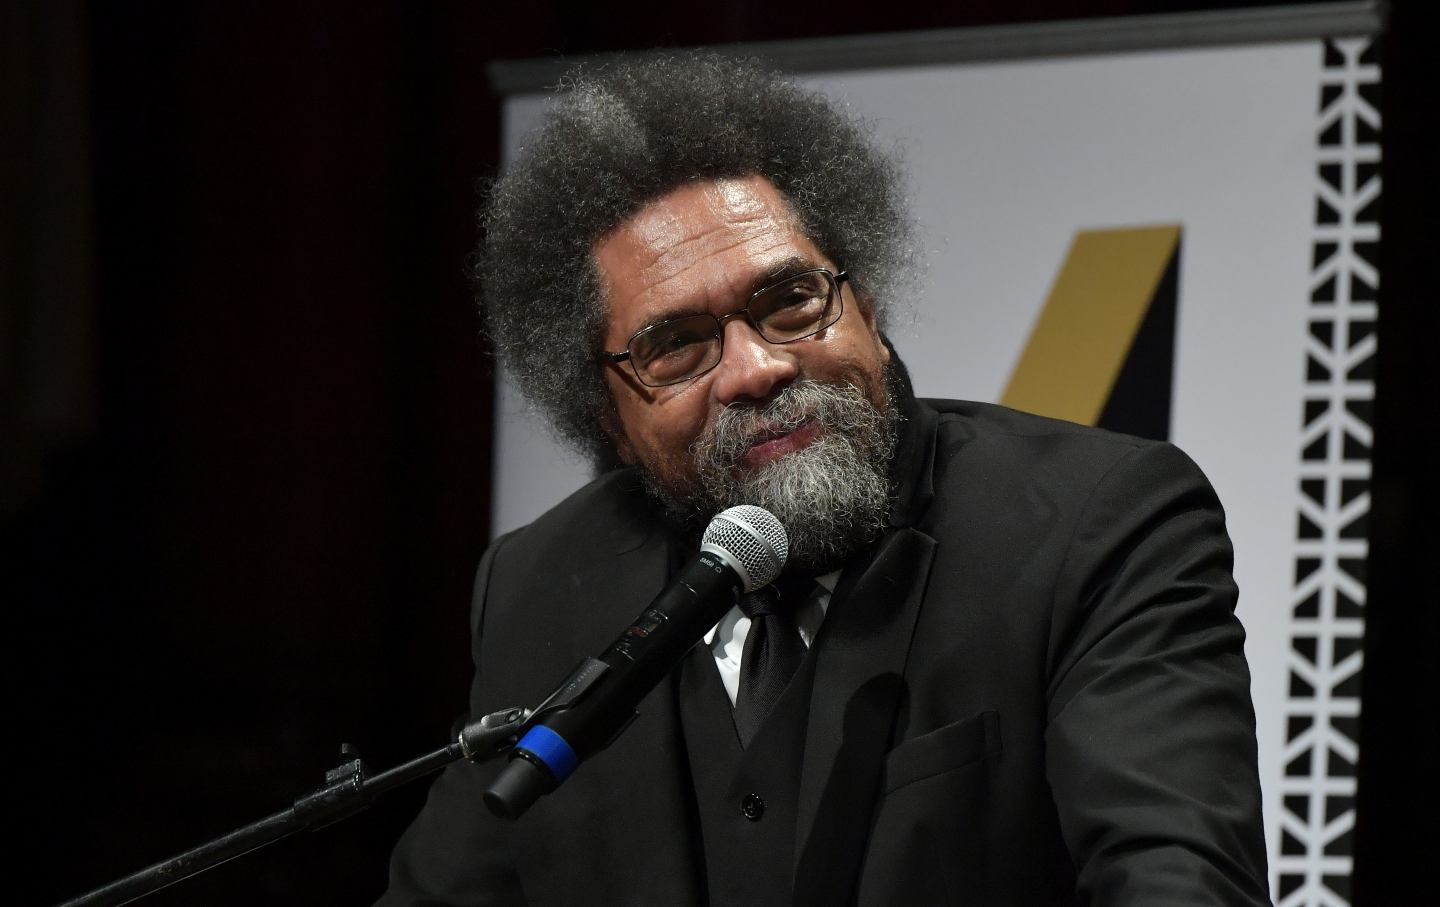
[
  {"x": 674, "y": 350},
  {"x": 794, "y": 305}
]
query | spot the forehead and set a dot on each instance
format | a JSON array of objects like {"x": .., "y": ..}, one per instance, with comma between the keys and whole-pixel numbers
[{"x": 702, "y": 247}]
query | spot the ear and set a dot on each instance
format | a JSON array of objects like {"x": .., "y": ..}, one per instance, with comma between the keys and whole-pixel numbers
[
  {"x": 615, "y": 430},
  {"x": 865, "y": 302}
]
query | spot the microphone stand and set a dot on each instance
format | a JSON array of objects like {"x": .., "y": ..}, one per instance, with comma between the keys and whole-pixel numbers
[{"x": 349, "y": 788}]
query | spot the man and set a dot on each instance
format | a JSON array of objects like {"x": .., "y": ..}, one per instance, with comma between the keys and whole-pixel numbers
[{"x": 1018, "y": 678}]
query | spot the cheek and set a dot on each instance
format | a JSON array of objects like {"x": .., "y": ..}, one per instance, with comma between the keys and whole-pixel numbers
[
  {"x": 857, "y": 358},
  {"x": 677, "y": 422},
  {"x": 663, "y": 429}
]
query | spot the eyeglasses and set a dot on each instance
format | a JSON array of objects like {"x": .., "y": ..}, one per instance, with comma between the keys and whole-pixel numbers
[{"x": 683, "y": 348}]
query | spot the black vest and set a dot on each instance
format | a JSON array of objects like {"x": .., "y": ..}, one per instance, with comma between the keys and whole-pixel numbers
[{"x": 745, "y": 798}]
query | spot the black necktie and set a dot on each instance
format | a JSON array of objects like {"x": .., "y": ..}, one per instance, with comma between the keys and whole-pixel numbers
[{"x": 773, "y": 651}]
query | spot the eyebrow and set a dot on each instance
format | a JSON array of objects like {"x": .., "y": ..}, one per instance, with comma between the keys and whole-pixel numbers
[{"x": 782, "y": 270}]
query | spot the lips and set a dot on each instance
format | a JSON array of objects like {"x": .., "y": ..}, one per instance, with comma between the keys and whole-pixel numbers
[{"x": 772, "y": 446}]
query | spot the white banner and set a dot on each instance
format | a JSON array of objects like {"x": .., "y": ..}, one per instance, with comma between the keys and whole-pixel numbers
[{"x": 1011, "y": 161}]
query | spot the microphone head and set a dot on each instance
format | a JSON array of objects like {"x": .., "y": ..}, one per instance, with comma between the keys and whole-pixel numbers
[{"x": 751, "y": 541}]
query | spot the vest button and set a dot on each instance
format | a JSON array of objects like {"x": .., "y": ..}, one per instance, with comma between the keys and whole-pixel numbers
[{"x": 752, "y": 807}]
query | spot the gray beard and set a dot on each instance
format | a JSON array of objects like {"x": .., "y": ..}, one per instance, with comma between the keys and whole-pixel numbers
[{"x": 832, "y": 496}]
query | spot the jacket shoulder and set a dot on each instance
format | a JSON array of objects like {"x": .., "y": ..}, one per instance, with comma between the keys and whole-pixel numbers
[
  {"x": 997, "y": 452},
  {"x": 611, "y": 512},
  {"x": 981, "y": 421},
  {"x": 980, "y": 429}
]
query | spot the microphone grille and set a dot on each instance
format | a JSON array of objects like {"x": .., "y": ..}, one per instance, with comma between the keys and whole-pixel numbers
[{"x": 752, "y": 540}]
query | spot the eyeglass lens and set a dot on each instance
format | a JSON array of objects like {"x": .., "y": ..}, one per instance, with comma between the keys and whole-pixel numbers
[{"x": 673, "y": 351}]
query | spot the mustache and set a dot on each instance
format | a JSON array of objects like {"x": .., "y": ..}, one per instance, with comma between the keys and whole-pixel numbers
[{"x": 742, "y": 425}]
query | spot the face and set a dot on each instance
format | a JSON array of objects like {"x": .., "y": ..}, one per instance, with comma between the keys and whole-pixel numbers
[{"x": 707, "y": 247}]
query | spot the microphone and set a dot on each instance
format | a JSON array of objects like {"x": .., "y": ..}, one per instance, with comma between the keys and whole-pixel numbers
[{"x": 743, "y": 549}]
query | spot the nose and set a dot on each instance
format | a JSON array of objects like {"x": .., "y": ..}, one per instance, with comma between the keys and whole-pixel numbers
[{"x": 752, "y": 369}]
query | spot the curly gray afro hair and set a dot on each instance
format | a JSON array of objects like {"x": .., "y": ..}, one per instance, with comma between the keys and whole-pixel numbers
[{"x": 623, "y": 136}]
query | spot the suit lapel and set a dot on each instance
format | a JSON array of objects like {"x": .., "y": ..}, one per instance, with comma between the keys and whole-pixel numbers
[
  {"x": 643, "y": 557},
  {"x": 647, "y": 775},
  {"x": 860, "y": 665}
]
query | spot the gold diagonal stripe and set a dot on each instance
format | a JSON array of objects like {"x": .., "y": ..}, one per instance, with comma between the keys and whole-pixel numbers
[{"x": 1081, "y": 339}]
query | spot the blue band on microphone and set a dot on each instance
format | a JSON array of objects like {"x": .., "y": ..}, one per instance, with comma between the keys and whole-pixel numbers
[{"x": 551, "y": 749}]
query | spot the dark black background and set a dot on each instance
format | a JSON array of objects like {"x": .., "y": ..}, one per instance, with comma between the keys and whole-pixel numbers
[{"x": 245, "y": 449}]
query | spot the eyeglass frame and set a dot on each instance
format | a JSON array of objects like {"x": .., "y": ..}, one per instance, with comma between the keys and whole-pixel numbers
[{"x": 837, "y": 280}]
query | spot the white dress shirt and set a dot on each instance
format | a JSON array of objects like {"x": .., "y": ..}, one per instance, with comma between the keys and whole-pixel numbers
[{"x": 727, "y": 638}]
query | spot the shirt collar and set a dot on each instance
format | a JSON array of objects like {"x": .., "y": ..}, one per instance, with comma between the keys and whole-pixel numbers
[{"x": 827, "y": 582}]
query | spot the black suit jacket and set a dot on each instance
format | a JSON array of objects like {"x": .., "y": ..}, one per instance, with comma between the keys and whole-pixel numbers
[{"x": 1034, "y": 692}]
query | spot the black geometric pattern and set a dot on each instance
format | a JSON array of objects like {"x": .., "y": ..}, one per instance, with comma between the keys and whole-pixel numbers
[{"x": 1313, "y": 860}]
